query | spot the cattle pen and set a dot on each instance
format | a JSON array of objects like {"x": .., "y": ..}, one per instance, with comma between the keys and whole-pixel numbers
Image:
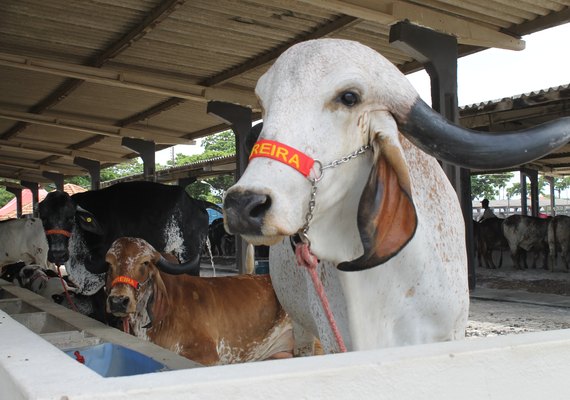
[{"x": 519, "y": 366}]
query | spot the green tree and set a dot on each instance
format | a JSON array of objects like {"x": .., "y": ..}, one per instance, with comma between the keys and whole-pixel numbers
[
  {"x": 83, "y": 181},
  {"x": 515, "y": 188},
  {"x": 131, "y": 167},
  {"x": 223, "y": 142},
  {"x": 211, "y": 189},
  {"x": 488, "y": 186},
  {"x": 5, "y": 196},
  {"x": 561, "y": 184}
]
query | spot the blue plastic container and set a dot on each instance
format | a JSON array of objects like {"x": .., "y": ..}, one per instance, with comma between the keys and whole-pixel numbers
[
  {"x": 262, "y": 267},
  {"x": 213, "y": 215},
  {"x": 108, "y": 359}
]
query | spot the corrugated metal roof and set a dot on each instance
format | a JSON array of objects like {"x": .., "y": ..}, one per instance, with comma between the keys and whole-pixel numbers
[
  {"x": 175, "y": 55},
  {"x": 524, "y": 111}
]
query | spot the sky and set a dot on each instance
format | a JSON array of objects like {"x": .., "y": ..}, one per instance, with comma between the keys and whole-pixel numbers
[
  {"x": 495, "y": 73},
  {"x": 491, "y": 74}
]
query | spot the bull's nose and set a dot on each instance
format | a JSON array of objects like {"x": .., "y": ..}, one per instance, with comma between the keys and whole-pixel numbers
[
  {"x": 58, "y": 257},
  {"x": 118, "y": 304},
  {"x": 245, "y": 211}
]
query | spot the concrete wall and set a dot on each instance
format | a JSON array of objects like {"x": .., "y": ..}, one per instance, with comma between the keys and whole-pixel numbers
[{"x": 529, "y": 366}]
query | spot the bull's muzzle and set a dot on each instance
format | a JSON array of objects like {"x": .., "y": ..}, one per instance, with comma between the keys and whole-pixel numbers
[
  {"x": 245, "y": 211},
  {"x": 58, "y": 257},
  {"x": 118, "y": 305}
]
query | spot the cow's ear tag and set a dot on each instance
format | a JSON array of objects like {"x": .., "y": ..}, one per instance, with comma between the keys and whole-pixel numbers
[{"x": 88, "y": 222}]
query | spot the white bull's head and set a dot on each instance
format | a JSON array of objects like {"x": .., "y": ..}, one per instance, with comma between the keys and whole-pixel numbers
[{"x": 326, "y": 98}]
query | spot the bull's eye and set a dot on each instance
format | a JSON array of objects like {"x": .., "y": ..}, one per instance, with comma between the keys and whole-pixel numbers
[{"x": 349, "y": 99}]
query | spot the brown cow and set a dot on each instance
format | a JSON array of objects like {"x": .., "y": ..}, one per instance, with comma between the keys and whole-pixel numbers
[{"x": 212, "y": 321}]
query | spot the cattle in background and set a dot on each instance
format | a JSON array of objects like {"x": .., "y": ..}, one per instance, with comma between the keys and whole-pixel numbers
[
  {"x": 526, "y": 234},
  {"x": 221, "y": 242},
  {"x": 489, "y": 237},
  {"x": 48, "y": 284},
  {"x": 23, "y": 240},
  {"x": 222, "y": 320},
  {"x": 559, "y": 240},
  {"x": 81, "y": 228}
]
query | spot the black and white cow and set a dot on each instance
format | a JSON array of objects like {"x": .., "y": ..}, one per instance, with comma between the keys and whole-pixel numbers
[
  {"x": 81, "y": 228},
  {"x": 221, "y": 242}
]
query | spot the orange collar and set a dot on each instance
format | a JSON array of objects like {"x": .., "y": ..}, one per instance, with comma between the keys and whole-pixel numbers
[
  {"x": 283, "y": 153},
  {"x": 125, "y": 279},
  {"x": 58, "y": 232}
]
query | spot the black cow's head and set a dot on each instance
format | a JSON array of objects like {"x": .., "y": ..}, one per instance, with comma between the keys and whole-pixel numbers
[{"x": 60, "y": 216}]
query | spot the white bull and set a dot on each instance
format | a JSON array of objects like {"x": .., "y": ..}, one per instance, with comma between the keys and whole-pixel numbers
[
  {"x": 23, "y": 240},
  {"x": 401, "y": 268}
]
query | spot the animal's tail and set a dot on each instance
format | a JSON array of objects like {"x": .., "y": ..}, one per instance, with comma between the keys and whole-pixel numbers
[{"x": 250, "y": 259}]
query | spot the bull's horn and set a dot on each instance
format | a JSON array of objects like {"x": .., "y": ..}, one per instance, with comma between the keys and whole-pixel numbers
[
  {"x": 480, "y": 150},
  {"x": 191, "y": 267}
]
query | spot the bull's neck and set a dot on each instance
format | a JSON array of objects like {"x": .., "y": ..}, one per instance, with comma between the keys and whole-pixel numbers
[{"x": 334, "y": 231}]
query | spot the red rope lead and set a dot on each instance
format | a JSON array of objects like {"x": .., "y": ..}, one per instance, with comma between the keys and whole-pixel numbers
[
  {"x": 307, "y": 259},
  {"x": 65, "y": 290}
]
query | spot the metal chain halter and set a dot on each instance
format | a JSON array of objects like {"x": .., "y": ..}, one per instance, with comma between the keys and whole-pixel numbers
[{"x": 319, "y": 175}]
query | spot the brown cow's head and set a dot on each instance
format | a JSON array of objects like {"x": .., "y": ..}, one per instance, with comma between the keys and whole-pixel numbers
[{"x": 134, "y": 284}]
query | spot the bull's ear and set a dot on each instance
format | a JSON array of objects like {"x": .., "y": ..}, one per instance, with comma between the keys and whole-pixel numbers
[
  {"x": 160, "y": 305},
  {"x": 387, "y": 217},
  {"x": 87, "y": 221}
]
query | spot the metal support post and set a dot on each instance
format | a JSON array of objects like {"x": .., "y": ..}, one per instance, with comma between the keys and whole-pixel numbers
[
  {"x": 55, "y": 178},
  {"x": 239, "y": 119},
  {"x": 550, "y": 180},
  {"x": 146, "y": 150},
  {"x": 35, "y": 189},
  {"x": 438, "y": 53},
  {"x": 532, "y": 175},
  {"x": 94, "y": 169},
  {"x": 18, "y": 193}
]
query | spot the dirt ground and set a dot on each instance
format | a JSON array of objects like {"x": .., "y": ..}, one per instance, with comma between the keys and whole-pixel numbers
[{"x": 491, "y": 318}]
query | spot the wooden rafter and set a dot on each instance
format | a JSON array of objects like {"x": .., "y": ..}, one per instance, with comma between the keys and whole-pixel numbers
[
  {"x": 90, "y": 127},
  {"x": 157, "y": 15}
]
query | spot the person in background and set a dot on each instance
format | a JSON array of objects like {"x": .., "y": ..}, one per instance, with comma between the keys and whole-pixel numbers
[{"x": 487, "y": 212}]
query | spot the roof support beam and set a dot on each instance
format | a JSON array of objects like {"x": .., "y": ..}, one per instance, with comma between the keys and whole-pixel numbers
[
  {"x": 176, "y": 88},
  {"x": 88, "y": 127},
  {"x": 26, "y": 165},
  {"x": 21, "y": 147},
  {"x": 21, "y": 175},
  {"x": 94, "y": 169},
  {"x": 55, "y": 178},
  {"x": 388, "y": 13},
  {"x": 18, "y": 193},
  {"x": 35, "y": 189},
  {"x": 146, "y": 149}
]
